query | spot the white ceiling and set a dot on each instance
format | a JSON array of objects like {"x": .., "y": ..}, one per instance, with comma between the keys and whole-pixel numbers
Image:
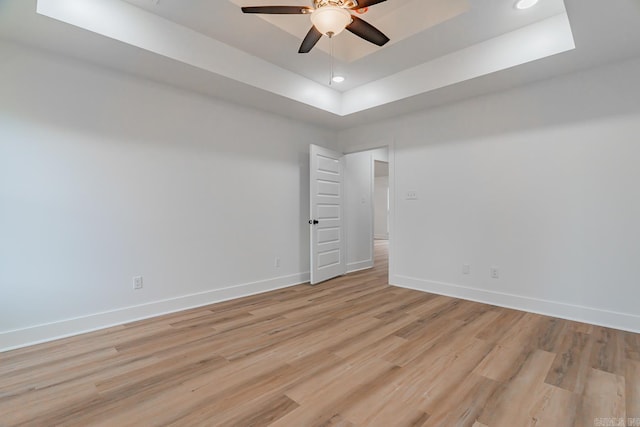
[
  {"x": 212, "y": 48},
  {"x": 399, "y": 19},
  {"x": 412, "y": 26}
]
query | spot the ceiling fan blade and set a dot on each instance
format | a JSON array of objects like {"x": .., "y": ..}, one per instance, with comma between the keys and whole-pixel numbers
[
  {"x": 310, "y": 40},
  {"x": 366, "y": 3},
  {"x": 278, "y": 10},
  {"x": 367, "y": 31}
]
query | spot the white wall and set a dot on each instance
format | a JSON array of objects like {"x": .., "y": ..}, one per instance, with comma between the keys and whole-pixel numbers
[
  {"x": 359, "y": 209},
  {"x": 541, "y": 182},
  {"x": 380, "y": 207},
  {"x": 104, "y": 177}
]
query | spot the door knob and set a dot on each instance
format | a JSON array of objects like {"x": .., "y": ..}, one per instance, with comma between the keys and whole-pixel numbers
[{"x": 313, "y": 221}]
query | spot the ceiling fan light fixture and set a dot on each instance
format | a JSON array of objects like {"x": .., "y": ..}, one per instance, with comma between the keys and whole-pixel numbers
[
  {"x": 525, "y": 4},
  {"x": 331, "y": 20},
  {"x": 337, "y": 79}
]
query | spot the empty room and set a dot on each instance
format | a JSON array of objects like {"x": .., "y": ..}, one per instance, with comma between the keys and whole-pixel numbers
[{"x": 320, "y": 213}]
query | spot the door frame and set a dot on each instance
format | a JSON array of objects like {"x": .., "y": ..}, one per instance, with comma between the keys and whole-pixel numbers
[{"x": 389, "y": 144}]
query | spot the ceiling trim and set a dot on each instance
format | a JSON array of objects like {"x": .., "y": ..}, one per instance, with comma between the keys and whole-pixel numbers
[{"x": 126, "y": 23}]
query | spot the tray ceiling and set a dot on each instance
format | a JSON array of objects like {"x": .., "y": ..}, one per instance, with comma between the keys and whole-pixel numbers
[
  {"x": 441, "y": 50},
  {"x": 420, "y": 31}
]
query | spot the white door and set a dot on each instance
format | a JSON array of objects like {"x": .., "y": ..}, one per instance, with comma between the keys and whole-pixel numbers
[{"x": 328, "y": 257}]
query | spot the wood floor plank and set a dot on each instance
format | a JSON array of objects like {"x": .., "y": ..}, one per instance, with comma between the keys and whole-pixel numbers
[
  {"x": 331, "y": 399},
  {"x": 607, "y": 352},
  {"x": 513, "y": 403},
  {"x": 462, "y": 360},
  {"x": 57, "y": 351},
  {"x": 553, "y": 406},
  {"x": 571, "y": 365},
  {"x": 42, "y": 406},
  {"x": 215, "y": 387},
  {"x": 89, "y": 372},
  {"x": 377, "y": 342},
  {"x": 270, "y": 411},
  {"x": 583, "y": 328},
  {"x": 551, "y": 333},
  {"x": 632, "y": 384},
  {"x": 39, "y": 376},
  {"x": 353, "y": 351},
  {"x": 527, "y": 331},
  {"x": 512, "y": 351},
  {"x": 632, "y": 346},
  {"x": 503, "y": 323},
  {"x": 464, "y": 403},
  {"x": 426, "y": 387},
  {"x": 603, "y": 398}
]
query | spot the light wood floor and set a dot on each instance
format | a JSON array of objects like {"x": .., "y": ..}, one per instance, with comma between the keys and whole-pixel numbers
[{"x": 350, "y": 352}]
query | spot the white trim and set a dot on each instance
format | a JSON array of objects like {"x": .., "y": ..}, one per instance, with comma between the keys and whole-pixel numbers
[
  {"x": 595, "y": 316},
  {"x": 372, "y": 195},
  {"x": 69, "y": 327},
  {"x": 381, "y": 236},
  {"x": 360, "y": 265}
]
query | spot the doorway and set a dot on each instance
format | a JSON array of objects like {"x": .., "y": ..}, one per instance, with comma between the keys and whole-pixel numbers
[
  {"x": 343, "y": 214},
  {"x": 381, "y": 200},
  {"x": 368, "y": 196},
  {"x": 381, "y": 207}
]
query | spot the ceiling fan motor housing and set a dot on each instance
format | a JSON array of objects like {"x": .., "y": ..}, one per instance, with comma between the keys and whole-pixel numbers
[{"x": 347, "y": 4}]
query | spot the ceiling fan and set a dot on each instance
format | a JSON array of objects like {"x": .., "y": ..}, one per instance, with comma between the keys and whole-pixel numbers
[{"x": 329, "y": 17}]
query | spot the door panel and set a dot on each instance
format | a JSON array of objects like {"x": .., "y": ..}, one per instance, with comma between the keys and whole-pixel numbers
[{"x": 327, "y": 235}]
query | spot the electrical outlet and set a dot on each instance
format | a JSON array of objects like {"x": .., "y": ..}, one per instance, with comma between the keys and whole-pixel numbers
[
  {"x": 466, "y": 269},
  {"x": 137, "y": 283},
  {"x": 495, "y": 273},
  {"x": 276, "y": 263}
]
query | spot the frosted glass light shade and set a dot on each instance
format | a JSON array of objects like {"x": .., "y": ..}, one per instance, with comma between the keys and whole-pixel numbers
[
  {"x": 330, "y": 19},
  {"x": 525, "y": 4}
]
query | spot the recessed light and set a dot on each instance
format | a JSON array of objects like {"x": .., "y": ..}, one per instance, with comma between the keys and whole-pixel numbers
[
  {"x": 525, "y": 4},
  {"x": 337, "y": 79}
]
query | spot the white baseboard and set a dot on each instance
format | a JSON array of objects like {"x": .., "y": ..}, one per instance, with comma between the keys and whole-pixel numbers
[
  {"x": 360, "y": 265},
  {"x": 595, "y": 316},
  {"x": 51, "y": 331}
]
